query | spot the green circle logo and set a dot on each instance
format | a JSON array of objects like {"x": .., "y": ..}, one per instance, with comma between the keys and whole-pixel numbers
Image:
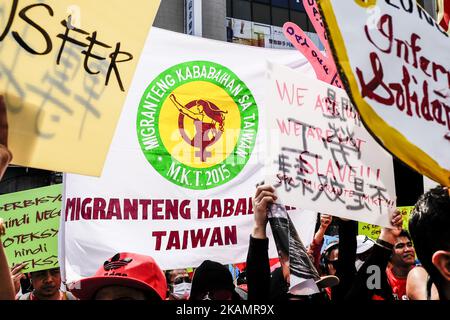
[{"x": 197, "y": 124}]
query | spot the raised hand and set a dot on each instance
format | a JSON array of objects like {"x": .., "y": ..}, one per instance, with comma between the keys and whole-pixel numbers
[
  {"x": 325, "y": 220},
  {"x": 16, "y": 275},
  {"x": 390, "y": 234},
  {"x": 264, "y": 195}
]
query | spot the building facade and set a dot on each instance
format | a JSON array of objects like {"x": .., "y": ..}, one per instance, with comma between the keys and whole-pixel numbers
[{"x": 251, "y": 22}]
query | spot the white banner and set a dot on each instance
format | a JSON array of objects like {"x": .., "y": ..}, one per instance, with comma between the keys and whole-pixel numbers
[
  {"x": 184, "y": 162},
  {"x": 320, "y": 155}
]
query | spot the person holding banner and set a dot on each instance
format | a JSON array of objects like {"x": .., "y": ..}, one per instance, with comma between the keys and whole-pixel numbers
[
  {"x": 344, "y": 265},
  {"x": 371, "y": 282},
  {"x": 402, "y": 262},
  {"x": 429, "y": 226},
  {"x": 6, "y": 284},
  {"x": 258, "y": 266},
  {"x": 263, "y": 285}
]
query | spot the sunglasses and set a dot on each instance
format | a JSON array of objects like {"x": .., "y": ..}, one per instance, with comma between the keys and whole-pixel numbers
[{"x": 179, "y": 280}]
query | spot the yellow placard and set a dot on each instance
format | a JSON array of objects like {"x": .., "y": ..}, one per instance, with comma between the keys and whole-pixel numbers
[{"x": 65, "y": 70}]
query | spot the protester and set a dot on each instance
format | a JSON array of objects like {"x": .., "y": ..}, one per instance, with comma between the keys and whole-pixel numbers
[
  {"x": 429, "y": 226},
  {"x": 213, "y": 281},
  {"x": 47, "y": 286},
  {"x": 262, "y": 284},
  {"x": 329, "y": 259},
  {"x": 125, "y": 276},
  {"x": 345, "y": 266},
  {"x": 178, "y": 284},
  {"x": 401, "y": 263},
  {"x": 371, "y": 281},
  {"x": 258, "y": 267}
]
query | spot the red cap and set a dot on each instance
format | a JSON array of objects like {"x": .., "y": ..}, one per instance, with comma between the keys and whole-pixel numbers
[{"x": 124, "y": 269}]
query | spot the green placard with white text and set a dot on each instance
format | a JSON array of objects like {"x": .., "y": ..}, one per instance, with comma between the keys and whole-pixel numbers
[{"x": 31, "y": 218}]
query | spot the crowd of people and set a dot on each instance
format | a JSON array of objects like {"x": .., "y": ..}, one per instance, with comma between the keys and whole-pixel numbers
[{"x": 385, "y": 269}]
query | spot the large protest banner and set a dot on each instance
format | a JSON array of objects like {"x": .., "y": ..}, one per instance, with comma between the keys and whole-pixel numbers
[
  {"x": 65, "y": 70},
  {"x": 393, "y": 60},
  {"x": 320, "y": 156},
  {"x": 32, "y": 220},
  {"x": 184, "y": 162}
]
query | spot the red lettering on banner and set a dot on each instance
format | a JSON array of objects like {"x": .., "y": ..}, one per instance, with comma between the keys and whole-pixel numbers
[
  {"x": 185, "y": 239},
  {"x": 223, "y": 207},
  {"x": 416, "y": 99},
  {"x": 172, "y": 209},
  {"x": 158, "y": 235},
  {"x": 241, "y": 207},
  {"x": 86, "y": 212},
  {"x": 228, "y": 209},
  {"x": 99, "y": 208},
  {"x": 402, "y": 96},
  {"x": 336, "y": 170},
  {"x": 290, "y": 93},
  {"x": 230, "y": 235},
  {"x": 202, "y": 208},
  {"x": 114, "y": 209},
  {"x": 130, "y": 209},
  {"x": 156, "y": 207},
  {"x": 216, "y": 237},
  {"x": 216, "y": 208},
  {"x": 144, "y": 204},
  {"x": 174, "y": 240},
  {"x": 70, "y": 207},
  {"x": 201, "y": 238}
]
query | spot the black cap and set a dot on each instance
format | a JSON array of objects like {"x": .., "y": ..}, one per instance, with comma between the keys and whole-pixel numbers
[{"x": 211, "y": 276}]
